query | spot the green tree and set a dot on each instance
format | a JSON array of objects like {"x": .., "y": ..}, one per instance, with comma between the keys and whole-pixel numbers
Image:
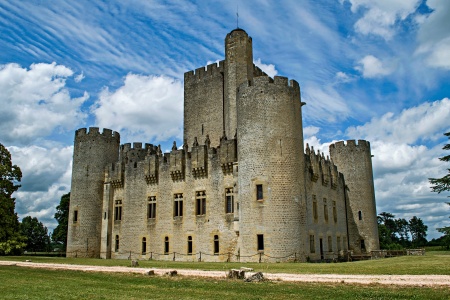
[
  {"x": 446, "y": 237},
  {"x": 59, "y": 235},
  {"x": 442, "y": 184},
  {"x": 11, "y": 241},
  {"x": 36, "y": 234},
  {"x": 418, "y": 231}
]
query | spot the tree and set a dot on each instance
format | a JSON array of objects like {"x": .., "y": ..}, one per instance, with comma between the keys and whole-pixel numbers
[
  {"x": 442, "y": 184},
  {"x": 59, "y": 235},
  {"x": 36, "y": 234},
  {"x": 11, "y": 241},
  {"x": 418, "y": 231}
]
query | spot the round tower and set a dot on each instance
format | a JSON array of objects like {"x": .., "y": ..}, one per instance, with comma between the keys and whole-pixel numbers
[
  {"x": 238, "y": 69},
  {"x": 93, "y": 151},
  {"x": 355, "y": 162},
  {"x": 271, "y": 169}
]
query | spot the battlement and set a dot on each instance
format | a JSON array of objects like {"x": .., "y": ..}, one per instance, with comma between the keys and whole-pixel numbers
[
  {"x": 277, "y": 80},
  {"x": 321, "y": 167},
  {"x": 95, "y": 131},
  {"x": 211, "y": 70},
  {"x": 351, "y": 144},
  {"x": 257, "y": 72}
]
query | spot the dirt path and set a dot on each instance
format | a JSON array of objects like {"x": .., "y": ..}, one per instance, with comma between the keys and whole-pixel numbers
[{"x": 404, "y": 280}]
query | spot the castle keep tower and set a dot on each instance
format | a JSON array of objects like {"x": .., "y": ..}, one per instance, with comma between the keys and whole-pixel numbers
[
  {"x": 271, "y": 164},
  {"x": 93, "y": 151},
  {"x": 355, "y": 162}
]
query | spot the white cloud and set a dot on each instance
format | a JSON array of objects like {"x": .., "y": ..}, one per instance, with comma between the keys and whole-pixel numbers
[
  {"x": 424, "y": 122},
  {"x": 434, "y": 35},
  {"x": 380, "y": 17},
  {"x": 79, "y": 77},
  {"x": 268, "y": 69},
  {"x": 323, "y": 103},
  {"x": 372, "y": 67},
  {"x": 342, "y": 77},
  {"x": 35, "y": 101},
  {"x": 46, "y": 177},
  {"x": 145, "y": 108}
]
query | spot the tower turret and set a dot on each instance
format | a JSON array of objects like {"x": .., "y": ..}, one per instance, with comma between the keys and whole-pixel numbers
[
  {"x": 271, "y": 167},
  {"x": 238, "y": 69},
  {"x": 93, "y": 151},
  {"x": 355, "y": 162}
]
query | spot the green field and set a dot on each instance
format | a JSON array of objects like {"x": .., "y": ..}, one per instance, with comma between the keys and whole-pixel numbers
[{"x": 25, "y": 283}]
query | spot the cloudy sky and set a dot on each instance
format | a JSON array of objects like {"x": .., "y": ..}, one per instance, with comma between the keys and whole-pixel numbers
[{"x": 375, "y": 70}]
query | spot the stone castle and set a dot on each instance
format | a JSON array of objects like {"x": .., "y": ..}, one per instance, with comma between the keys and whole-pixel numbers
[{"x": 242, "y": 187}]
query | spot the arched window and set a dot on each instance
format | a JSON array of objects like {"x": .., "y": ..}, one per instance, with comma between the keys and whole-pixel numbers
[
  {"x": 144, "y": 245},
  {"x": 166, "y": 245},
  {"x": 189, "y": 245},
  {"x": 116, "y": 248},
  {"x": 216, "y": 245}
]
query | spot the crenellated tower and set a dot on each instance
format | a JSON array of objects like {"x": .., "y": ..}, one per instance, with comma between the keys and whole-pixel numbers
[
  {"x": 271, "y": 164},
  {"x": 354, "y": 160},
  {"x": 93, "y": 151}
]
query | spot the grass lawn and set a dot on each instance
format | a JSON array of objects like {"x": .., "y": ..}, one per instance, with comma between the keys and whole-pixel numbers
[
  {"x": 434, "y": 262},
  {"x": 28, "y": 283}
]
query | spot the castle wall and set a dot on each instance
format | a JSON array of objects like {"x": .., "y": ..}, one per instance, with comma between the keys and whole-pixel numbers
[
  {"x": 203, "y": 103},
  {"x": 326, "y": 208},
  {"x": 135, "y": 224},
  {"x": 92, "y": 152},
  {"x": 270, "y": 152},
  {"x": 354, "y": 160}
]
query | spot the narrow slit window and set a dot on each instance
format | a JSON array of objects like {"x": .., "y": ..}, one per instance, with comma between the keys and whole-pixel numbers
[
  {"x": 360, "y": 215},
  {"x": 312, "y": 246},
  {"x": 116, "y": 248},
  {"x": 260, "y": 238},
  {"x": 325, "y": 209},
  {"x": 75, "y": 216},
  {"x": 330, "y": 244},
  {"x": 216, "y": 245},
  {"x": 314, "y": 207},
  {"x": 189, "y": 245},
  {"x": 259, "y": 192},
  {"x": 166, "y": 245},
  {"x": 144, "y": 245}
]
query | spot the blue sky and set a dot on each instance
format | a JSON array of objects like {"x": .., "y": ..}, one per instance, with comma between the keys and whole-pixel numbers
[{"x": 375, "y": 70}]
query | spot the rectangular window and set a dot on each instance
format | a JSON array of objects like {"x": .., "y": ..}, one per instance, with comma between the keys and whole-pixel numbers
[
  {"x": 200, "y": 199},
  {"x": 259, "y": 192},
  {"x": 189, "y": 245},
  {"x": 312, "y": 246},
  {"x": 144, "y": 245},
  {"x": 330, "y": 244},
  {"x": 338, "y": 242},
  {"x": 325, "y": 209},
  {"x": 118, "y": 210},
  {"x": 334, "y": 212},
  {"x": 75, "y": 216},
  {"x": 360, "y": 215},
  {"x": 166, "y": 245},
  {"x": 363, "y": 245},
  {"x": 229, "y": 201},
  {"x": 216, "y": 245},
  {"x": 151, "y": 208},
  {"x": 314, "y": 207},
  {"x": 260, "y": 238},
  {"x": 178, "y": 205}
]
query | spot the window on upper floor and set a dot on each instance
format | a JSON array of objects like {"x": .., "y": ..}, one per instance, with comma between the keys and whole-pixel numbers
[
  {"x": 325, "y": 209},
  {"x": 178, "y": 205},
  {"x": 118, "y": 210},
  {"x": 229, "y": 200},
  {"x": 315, "y": 208},
  {"x": 151, "y": 207},
  {"x": 360, "y": 215},
  {"x": 334, "y": 212},
  {"x": 75, "y": 216},
  {"x": 200, "y": 199}
]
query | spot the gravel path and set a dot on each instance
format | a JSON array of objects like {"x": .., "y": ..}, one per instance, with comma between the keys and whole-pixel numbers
[{"x": 403, "y": 280}]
